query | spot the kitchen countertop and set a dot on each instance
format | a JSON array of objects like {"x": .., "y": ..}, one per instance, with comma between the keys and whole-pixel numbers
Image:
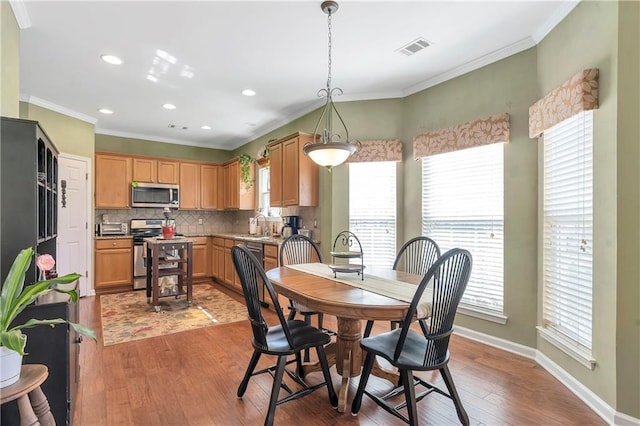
[
  {"x": 276, "y": 241},
  {"x": 111, "y": 237}
]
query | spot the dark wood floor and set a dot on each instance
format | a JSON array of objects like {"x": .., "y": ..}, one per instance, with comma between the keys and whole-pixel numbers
[{"x": 191, "y": 378}]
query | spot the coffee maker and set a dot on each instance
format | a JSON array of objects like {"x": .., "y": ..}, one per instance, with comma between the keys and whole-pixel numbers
[{"x": 291, "y": 225}]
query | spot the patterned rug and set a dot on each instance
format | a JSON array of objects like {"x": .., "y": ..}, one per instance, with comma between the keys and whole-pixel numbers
[{"x": 127, "y": 316}]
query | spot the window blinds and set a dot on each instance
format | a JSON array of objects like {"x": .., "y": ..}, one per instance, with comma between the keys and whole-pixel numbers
[
  {"x": 372, "y": 210},
  {"x": 568, "y": 229},
  {"x": 462, "y": 206}
]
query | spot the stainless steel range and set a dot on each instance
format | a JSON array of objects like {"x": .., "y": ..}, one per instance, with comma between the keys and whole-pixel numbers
[{"x": 141, "y": 229}]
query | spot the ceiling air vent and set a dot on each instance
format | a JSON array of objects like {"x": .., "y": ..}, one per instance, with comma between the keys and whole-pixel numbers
[
  {"x": 176, "y": 126},
  {"x": 414, "y": 47}
]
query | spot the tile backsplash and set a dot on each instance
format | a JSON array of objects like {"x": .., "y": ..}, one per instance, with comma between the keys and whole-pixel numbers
[{"x": 209, "y": 222}]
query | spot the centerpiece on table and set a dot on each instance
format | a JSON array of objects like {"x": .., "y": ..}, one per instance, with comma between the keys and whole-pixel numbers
[{"x": 15, "y": 297}]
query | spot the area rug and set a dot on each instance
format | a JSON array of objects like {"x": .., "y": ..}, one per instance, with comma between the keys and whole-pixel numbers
[{"x": 127, "y": 316}]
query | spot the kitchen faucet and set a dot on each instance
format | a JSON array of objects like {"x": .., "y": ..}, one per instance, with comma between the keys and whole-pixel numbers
[{"x": 265, "y": 229}]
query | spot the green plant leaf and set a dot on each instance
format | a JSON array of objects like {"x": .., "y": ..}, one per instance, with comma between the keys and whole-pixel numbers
[{"x": 13, "y": 340}]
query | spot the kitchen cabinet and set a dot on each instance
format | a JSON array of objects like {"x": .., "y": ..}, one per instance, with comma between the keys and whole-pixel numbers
[
  {"x": 293, "y": 176},
  {"x": 113, "y": 264},
  {"x": 238, "y": 195},
  {"x": 230, "y": 276},
  {"x": 112, "y": 181},
  {"x": 200, "y": 259},
  {"x": 189, "y": 186},
  {"x": 217, "y": 258},
  {"x": 209, "y": 186},
  {"x": 270, "y": 256},
  {"x": 29, "y": 192},
  {"x": 155, "y": 170}
]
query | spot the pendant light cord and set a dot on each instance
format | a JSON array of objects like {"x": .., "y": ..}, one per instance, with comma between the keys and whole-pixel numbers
[{"x": 330, "y": 45}]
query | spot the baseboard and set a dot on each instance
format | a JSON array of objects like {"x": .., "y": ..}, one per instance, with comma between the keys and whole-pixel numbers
[{"x": 597, "y": 404}]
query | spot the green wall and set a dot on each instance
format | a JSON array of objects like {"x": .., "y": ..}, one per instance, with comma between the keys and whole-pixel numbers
[
  {"x": 70, "y": 135},
  {"x": 107, "y": 143},
  {"x": 9, "y": 62},
  {"x": 628, "y": 232},
  {"x": 587, "y": 38}
]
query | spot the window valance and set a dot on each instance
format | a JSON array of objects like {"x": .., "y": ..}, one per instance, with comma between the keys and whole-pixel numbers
[
  {"x": 377, "y": 150},
  {"x": 579, "y": 93},
  {"x": 485, "y": 131}
]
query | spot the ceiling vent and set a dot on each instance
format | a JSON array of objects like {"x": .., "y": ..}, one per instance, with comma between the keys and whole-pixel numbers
[
  {"x": 176, "y": 126},
  {"x": 414, "y": 47}
]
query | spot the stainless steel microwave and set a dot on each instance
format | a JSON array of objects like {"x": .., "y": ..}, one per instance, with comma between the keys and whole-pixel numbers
[{"x": 155, "y": 195}]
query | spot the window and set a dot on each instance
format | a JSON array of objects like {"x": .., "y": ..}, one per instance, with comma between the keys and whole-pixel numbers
[
  {"x": 462, "y": 206},
  {"x": 372, "y": 210},
  {"x": 568, "y": 234},
  {"x": 264, "y": 189}
]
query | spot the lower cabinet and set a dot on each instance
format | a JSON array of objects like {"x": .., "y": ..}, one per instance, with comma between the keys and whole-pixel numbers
[
  {"x": 58, "y": 348},
  {"x": 200, "y": 259},
  {"x": 270, "y": 256},
  {"x": 230, "y": 275},
  {"x": 113, "y": 265}
]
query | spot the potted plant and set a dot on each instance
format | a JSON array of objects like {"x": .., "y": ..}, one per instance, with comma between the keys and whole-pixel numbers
[
  {"x": 14, "y": 298},
  {"x": 245, "y": 169}
]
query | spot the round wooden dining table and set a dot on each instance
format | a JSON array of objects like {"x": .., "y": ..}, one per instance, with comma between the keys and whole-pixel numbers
[{"x": 350, "y": 305}]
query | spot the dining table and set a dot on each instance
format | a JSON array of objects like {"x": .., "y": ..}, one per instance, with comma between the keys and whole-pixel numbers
[{"x": 384, "y": 294}]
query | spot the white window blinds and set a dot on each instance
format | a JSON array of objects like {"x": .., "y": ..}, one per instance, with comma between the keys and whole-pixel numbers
[
  {"x": 372, "y": 210},
  {"x": 462, "y": 206},
  {"x": 568, "y": 229}
]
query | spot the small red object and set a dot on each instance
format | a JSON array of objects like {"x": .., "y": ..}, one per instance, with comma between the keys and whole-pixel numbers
[{"x": 168, "y": 231}]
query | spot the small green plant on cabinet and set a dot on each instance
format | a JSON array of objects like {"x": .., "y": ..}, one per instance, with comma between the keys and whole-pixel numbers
[
  {"x": 15, "y": 297},
  {"x": 245, "y": 169}
]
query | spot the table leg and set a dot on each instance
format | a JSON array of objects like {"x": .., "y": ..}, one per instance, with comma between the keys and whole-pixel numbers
[
  {"x": 348, "y": 356},
  {"x": 154, "y": 277},
  {"x": 41, "y": 407},
  {"x": 189, "y": 273}
]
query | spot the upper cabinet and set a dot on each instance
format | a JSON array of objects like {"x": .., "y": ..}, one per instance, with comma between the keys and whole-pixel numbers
[
  {"x": 189, "y": 186},
  {"x": 199, "y": 186},
  {"x": 239, "y": 195},
  {"x": 293, "y": 176},
  {"x": 210, "y": 186},
  {"x": 113, "y": 181},
  {"x": 155, "y": 171}
]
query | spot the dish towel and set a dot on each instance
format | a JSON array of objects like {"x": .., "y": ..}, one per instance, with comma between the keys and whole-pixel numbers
[{"x": 383, "y": 286}]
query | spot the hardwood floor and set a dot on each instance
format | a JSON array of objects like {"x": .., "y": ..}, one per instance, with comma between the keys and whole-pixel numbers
[{"x": 191, "y": 378}]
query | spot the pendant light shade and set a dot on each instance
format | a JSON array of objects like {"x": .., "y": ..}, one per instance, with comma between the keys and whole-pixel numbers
[{"x": 326, "y": 149}]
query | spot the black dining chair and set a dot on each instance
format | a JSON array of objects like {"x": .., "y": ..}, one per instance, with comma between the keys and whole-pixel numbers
[
  {"x": 289, "y": 337},
  {"x": 411, "y": 351},
  {"x": 294, "y": 250},
  {"x": 416, "y": 256}
]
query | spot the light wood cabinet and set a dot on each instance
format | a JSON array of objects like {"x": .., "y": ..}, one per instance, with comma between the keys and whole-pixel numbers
[
  {"x": 155, "y": 171},
  {"x": 113, "y": 264},
  {"x": 238, "y": 195},
  {"x": 200, "y": 260},
  {"x": 112, "y": 181},
  {"x": 189, "y": 186},
  {"x": 293, "y": 176},
  {"x": 209, "y": 186},
  {"x": 217, "y": 258},
  {"x": 270, "y": 256},
  {"x": 168, "y": 172},
  {"x": 229, "y": 269}
]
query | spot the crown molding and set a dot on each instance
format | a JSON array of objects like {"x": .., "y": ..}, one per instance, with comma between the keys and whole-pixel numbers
[
  {"x": 565, "y": 8},
  {"x": 480, "y": 62},
  {"x": 151, "y": 138},
  {"x": 57, "y": 108},
  {"x": 21, "y": 14}
]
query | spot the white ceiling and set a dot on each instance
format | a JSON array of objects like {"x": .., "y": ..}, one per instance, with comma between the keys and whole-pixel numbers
[{"x": 204, "y": 53}]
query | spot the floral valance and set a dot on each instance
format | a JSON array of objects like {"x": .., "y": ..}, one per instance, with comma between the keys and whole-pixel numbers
[
  {"x": 377, "y": 150},
  {"x": 485, "y": 131},
  {"x": 578, "y": 94}
]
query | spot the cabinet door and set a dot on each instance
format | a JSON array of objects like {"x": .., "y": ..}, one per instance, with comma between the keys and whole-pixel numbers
[
  {"x": 113, "y": 267},
  {"x": 144, "y": 170},
  {"x": 220, "y": 259},
  {"x": 168, "y": 172},
  {"x": 189, "y": 186},
  {"x": 209, "y": 187},
  {"x": 200, "y": 261},
  {"x": 234, "y": 185},
  {"x": 229, "y": 269},
  {"x": 290, "y": 176},
  {"x": 113, "y": 181},
  {"x": 275, "y": 175},
  {"x": 270, "y": 263}
]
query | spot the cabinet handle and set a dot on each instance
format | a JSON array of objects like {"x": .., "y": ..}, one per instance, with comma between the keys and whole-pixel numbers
[
  {"x": 113, "y": 244},
  {"x": 79, "y": 339}
]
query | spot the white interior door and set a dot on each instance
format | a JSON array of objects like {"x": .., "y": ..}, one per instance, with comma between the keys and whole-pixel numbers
[{"x": 74, "y": 207}]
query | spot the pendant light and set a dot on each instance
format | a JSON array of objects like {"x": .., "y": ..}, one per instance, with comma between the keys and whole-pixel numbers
[{"x": 326, "y": 149}]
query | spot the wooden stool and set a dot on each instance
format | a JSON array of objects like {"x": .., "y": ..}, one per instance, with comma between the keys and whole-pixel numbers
[{"x": 32, "y": 402}]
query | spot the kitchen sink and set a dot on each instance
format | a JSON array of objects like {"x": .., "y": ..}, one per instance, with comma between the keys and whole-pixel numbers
[{"x": 251, "y": 237}]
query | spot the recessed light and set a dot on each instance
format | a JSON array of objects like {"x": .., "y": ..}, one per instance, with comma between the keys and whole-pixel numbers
[
  {"x": 250, "y": 124},
  {"x": 248, "y": 92},
  {"x": 110, "y": 59},
  {"x": 105, "y": 111},
  {"x": 152, "y": 78},
  {"x": 168, "y": 106},
  {"x": 205, "y": 127}
]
